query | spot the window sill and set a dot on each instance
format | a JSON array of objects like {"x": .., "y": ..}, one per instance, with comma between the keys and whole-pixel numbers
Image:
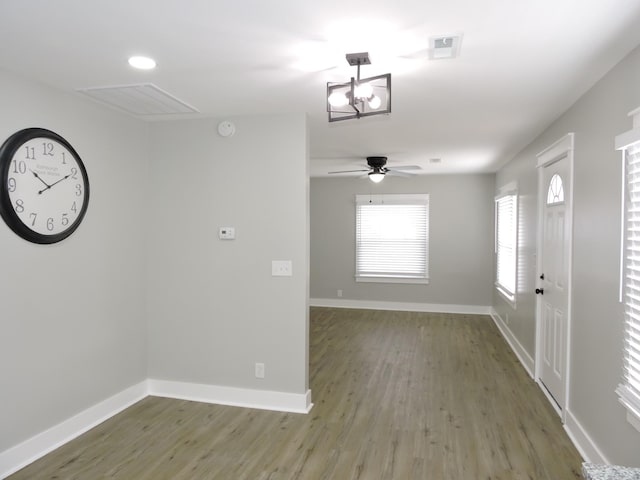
[
  {"x": 509, "y": 298},
  {"x": 633, "y": 413},
  {"x": 392, "y": 280}
]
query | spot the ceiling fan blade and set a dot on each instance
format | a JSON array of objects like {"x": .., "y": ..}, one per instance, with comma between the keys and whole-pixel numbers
[
  {"x": 407, "y": 167},
  {"x": 350, "y": 171},
  {"x": 398, "y": 173}
]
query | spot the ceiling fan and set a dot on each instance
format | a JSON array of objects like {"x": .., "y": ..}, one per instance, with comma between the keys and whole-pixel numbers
[{"x": 377, "y": 169}]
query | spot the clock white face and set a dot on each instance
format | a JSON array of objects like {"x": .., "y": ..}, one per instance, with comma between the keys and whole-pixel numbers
[{"x": 46, "y": 186}]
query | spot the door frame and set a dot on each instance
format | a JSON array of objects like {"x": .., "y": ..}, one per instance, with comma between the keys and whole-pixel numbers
[{"x": 563, "y": 148}]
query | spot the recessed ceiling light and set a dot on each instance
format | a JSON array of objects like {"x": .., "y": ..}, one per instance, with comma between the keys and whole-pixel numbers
[{"x": 143, "y": 63}]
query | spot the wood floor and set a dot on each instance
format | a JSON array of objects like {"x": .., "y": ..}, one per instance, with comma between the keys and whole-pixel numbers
[{"x": 397, "y": 395}]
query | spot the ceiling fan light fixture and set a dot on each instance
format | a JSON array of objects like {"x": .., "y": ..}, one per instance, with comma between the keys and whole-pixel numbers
[{"x": 376, "y": 176}]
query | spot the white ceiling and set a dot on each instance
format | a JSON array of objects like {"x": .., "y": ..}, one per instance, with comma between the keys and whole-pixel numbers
[{"x": 521, "y": 64}]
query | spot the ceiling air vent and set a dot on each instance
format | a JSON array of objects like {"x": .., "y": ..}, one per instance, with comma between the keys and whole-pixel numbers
[
  {"x": 444, "y": 46},
  {"x": 142, "y": 99}
]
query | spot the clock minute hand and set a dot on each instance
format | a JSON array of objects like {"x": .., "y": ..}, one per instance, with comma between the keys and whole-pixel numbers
[{"x": 57, "y": 181}]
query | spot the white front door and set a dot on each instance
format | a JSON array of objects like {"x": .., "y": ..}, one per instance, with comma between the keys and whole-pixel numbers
[{"x": 553, "y": 281}]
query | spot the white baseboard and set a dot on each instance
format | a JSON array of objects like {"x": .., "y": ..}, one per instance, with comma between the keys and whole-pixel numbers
[
  {"x": 237, "y": 397},
  {"x": 24, "y": 453},
  {"x": 399, "y": 306},
  {"x": 583, "y": 442},
  {"x": 526, "y": 360}
]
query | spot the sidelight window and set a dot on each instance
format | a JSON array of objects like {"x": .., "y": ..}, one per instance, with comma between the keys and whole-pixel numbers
[
  {"x": 506, "y": 210},
  {"x": 629, "y": 389}
]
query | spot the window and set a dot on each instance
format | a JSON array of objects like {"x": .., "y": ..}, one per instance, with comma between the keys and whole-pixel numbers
[
  {"x": 506, "y": 244},
  {"x": 555, "y": 194},
  {"x": 392, "y": 238},
  {"x": 629, "y": 390}
]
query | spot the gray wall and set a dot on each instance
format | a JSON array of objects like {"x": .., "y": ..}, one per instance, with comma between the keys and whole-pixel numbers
[
  {"x": 72, "y": 324},
  {"x": 460, "y": 239},
  {"x": 146, "y": 268},
  {"x": 597, "y": 328},
  {"x": 519, "y": 320},
  {"x": 214, "y": 309}
]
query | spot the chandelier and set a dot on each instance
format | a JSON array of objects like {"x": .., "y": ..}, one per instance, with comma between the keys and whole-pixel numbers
[{"x": 360, "y": 97}]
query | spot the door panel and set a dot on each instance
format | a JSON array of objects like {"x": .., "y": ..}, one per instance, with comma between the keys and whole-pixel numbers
[
  {"x": 547, "y": 332},
  {"x": 554, "y": 299}
]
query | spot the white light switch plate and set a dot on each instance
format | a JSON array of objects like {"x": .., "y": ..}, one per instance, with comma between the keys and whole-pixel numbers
[
  {"x": 227, "y": 233},
  {"x": 281, "y": 268}
]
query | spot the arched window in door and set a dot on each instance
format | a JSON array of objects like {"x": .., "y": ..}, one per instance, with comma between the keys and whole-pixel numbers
[{"x": 555, "y": 194}]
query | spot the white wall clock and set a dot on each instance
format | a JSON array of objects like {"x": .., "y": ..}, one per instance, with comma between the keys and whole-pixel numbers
[{"x": 44, "y": 188}]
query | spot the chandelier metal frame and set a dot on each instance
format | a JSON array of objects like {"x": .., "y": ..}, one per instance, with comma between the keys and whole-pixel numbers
[{"x": 354, "y": 105}]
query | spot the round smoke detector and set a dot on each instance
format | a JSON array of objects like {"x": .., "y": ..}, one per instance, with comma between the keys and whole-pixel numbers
[{"x": 226, "y": 128}]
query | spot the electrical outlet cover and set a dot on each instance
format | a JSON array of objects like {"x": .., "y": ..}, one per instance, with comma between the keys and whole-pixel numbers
[{"x": 281, "y": 268}]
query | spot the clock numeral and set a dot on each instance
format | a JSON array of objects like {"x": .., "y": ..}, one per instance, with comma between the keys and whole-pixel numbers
[
  {"x": 49, "y": 223},
  {"x": 31, "y": 153},
  {"x": 12, "y": 184},
  {"x": 78, "y": 189},
  {"x": 47, "y": 148},
  {"x": 74, "y": 173},
  {"x": 19, "y": 208},
  {"x": 65, "y": 219},
  {"x": 64, "y": 160},
  {"x": 74, "y": 208},
  {"x": 19, "y": 167},
  {"x": 33, "y": 218}
]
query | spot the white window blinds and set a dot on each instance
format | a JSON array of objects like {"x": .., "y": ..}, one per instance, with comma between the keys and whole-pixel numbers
[
  {"x": 629, "y": 390},
  {"x": 506, "y": 244},
  {"x": 392, "y": 237}
]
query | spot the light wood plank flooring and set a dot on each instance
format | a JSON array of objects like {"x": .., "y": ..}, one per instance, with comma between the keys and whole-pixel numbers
[{"x": 397, "y": 395}]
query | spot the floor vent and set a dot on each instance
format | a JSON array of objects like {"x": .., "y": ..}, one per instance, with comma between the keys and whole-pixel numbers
[{"x": 142, "y": 99}]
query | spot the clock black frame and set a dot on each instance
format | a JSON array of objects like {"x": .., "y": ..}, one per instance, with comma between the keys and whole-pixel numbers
[{"x": 7, "y": 151}]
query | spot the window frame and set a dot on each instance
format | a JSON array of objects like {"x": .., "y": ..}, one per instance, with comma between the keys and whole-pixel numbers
[
  {"x": 392, "y": 199},
  {"x": 628, "y": 390},
  {"x": 507, "y": 191}
]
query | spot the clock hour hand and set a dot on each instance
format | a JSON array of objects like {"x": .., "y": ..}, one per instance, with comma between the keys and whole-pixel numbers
[
  {"x": 57, "y": 181},
  {"x": 40, "y": 178}
]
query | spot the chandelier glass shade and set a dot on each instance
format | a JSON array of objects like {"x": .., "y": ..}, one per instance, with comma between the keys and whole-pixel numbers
[{"x": 359, "y": 97}]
